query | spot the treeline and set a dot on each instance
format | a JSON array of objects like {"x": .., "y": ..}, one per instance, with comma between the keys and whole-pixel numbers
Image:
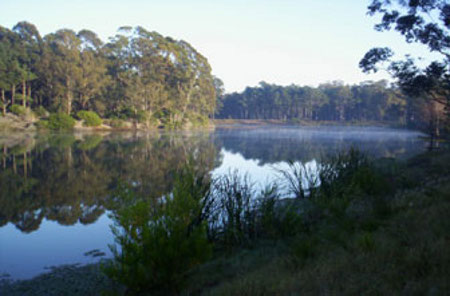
[
  {"x": 368, "y": 101},
  {"x": 137, "y": 73}
]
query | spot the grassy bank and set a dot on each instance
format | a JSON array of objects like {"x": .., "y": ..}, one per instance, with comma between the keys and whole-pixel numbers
[
  {"x": 374, "y": 228},
  {"x": 260, "y": 122}
]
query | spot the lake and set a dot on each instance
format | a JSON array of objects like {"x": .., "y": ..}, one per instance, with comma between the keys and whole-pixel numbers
[{"x": 55, "y": 188}]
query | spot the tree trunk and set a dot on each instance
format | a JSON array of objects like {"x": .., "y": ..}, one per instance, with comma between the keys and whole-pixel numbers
[
  {"x": 25, "y": 165},
  {"x": 29, "y": 93},
  {"x": 69, "y": 102},
  {"x": 3, "y": 102},
  {"x": 69, "y": 95},
  {"x": 24, "y": 93},
  {"x": 13, "y": 94}
]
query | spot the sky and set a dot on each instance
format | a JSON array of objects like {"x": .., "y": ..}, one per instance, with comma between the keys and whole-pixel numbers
[{"x": 303, "y": 42}]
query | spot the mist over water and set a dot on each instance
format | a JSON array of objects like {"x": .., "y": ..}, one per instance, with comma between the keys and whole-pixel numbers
[{"x": 56, "y": 187}]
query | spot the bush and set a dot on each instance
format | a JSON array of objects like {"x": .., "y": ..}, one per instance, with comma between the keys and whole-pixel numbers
[
  {"x": 90, "y": 118},
  {"x": 198, "y": 119},
  {"x": 18, "y": 110},
  {"x": 41, "y": 112},
  {"x": 60, "y": 121},
  {"x": 160, "y": 240},
  {"x": 116, "y": 122}
]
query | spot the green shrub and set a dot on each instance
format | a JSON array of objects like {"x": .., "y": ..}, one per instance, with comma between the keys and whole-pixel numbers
[
  {"x": 60, "y": 121},
  {"x": 116, "y": 122},
  {"x": 198, "y": 119},
  {"x": 41, "y": 112},
  {"x": 18, "y": 110},
  {"x": 142, "y": 116},
  {"x": 42, "y": 124},
  {"x": 160, "y": 241},
  {"x": 90, "y": 118}
]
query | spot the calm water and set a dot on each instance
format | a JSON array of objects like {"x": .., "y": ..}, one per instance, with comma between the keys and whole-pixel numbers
[{"x": 55, "y": 188}]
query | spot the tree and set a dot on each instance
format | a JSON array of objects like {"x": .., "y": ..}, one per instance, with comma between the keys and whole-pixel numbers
[
  {"x": 29, "y": 55},
  {"x": 93, "y": 77},
  {"x": 65, "y": 64},
  {"x": 428, "y": 23}
]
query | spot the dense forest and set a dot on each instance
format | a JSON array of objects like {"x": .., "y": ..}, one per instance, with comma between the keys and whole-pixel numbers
[
  {"x": 136, "y": 74},
  {"x": 368, "y": 101}
]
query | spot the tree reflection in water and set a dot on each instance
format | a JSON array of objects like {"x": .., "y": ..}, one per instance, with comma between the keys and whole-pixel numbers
[{"x": 69, "y": 178}]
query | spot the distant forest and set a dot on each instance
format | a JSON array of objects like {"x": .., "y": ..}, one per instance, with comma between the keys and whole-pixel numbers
[
  {"x": 137, "y": 72},
  {"x": 367, "y": 101}
]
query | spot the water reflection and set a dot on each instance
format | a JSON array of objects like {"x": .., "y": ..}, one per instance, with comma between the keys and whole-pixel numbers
[
  {"x": 68, "y": 178},
  {"x": 55, "y": 188}
]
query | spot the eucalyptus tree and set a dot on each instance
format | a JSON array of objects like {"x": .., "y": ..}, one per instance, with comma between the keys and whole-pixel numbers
[
  {"x": 29, "y": 55},
  {"x": 159, "y": 74},
  {"x": 426, "y": 23},
  {"x": 93, "y": 79},
  {"x": 10, "y": 50},
  {"x": 64, "y": 65}
]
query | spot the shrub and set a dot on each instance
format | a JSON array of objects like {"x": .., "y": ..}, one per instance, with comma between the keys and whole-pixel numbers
[
  {"x": 41, "y": 112},
  {"x": 234, "y": 219},
  {"x": 160, "y": 241},
  {"x": 42, "y": 124},
  {"x": 18, "y": 110},
  {"x": 198, "y": 119},
  {"x": 60, "y": 121},
  {"x": 116, "y": 122},
  {"x": 142, "y": 116},
  {"x": 90, "y": 118}
]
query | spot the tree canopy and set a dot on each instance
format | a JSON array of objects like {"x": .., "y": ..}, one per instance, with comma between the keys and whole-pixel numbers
[
  {"x": 335, "y": 101},
  {"x": 137, "y": 73},
  {"x": 425, "y": 22}
]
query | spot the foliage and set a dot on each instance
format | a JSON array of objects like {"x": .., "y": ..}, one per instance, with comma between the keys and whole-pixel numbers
[
  {"x": 427, "y": 23},
  {"x": 115, "y": 122},
  {"x": 18, "y": 110},
  {"x": 136, "y": 74},
  {"x": 41, "y": 112},
  {"x": 368, "y": 101},
  {"x": 60, "y": 121},
  {"x": 198, "y": 119},
  {"x": 89, "y": 118},
  {"x": 299, "y": 179},
  {"x": 160, "y": 241}
]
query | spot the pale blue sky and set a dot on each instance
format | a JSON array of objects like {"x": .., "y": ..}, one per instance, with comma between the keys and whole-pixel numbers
[{"x": 305, "y": 42}]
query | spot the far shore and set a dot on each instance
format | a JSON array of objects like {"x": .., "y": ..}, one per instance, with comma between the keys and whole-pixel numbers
[{"x": 262, "y": 122}]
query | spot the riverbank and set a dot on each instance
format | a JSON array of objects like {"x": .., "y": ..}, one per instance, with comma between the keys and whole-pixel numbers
[
  {"x": 230, "y": 123},
  {"x": 30, "y": 124},
  {"x": 351, "y": 246}
]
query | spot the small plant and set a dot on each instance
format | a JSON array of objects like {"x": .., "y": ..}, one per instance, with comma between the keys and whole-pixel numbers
[
  {"x": 60, "y": 121},
  {"x": 303, "y": 248},
  {"x": 41, "y": 112},
  {"x": 234, "y": 215},
  {"x": 142, "y": 116},
  {"x": 90, "y": 118},
  {"x": 301, "y": 180},
  {"x": 116, "y": 123},
  {"x": 18, "y": 110},
  {"x": 365, "y": 241}
]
